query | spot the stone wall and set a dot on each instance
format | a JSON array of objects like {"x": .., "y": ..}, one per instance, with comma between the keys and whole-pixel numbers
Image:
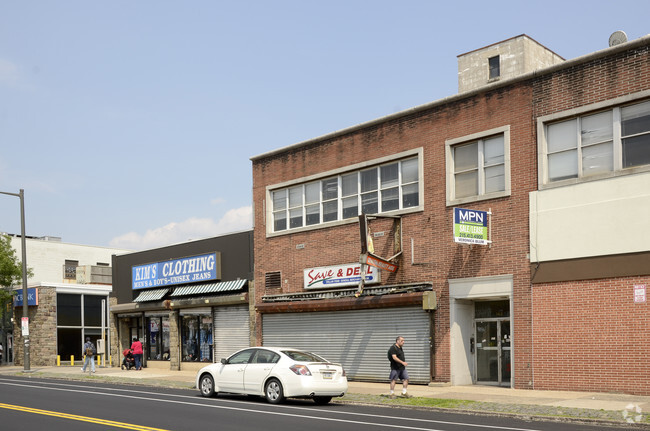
[{"x": 42, "y": 330}]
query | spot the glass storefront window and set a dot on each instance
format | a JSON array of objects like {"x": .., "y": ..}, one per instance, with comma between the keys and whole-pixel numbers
[
  {"x": 492, "y": 309},
  {"x": 68, "y": 309},
  {"x": 68, "y": 340},
  {"x": 78, "y": 316},
  {"x": 196, "y": 340},
  {"x": 93, "y": 310},
  {"x": 158, "y": 330}
]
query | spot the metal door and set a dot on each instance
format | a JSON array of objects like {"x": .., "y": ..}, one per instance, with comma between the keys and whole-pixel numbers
[{"x": 357, "y": 339}]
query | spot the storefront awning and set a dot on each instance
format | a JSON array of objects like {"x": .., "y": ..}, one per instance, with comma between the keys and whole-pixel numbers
[
  {"x": 151, "y": 295},
  {"x": 198, "y": 289}
]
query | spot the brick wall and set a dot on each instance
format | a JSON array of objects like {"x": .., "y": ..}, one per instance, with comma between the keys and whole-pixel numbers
[
  {"x": 591, "y": 336},
  {"x": 436, "y": 255},
  {"x": 595, "y": 81}
]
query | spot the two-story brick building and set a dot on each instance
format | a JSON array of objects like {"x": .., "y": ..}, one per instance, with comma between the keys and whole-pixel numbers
[{"x": 546, "y": 165}]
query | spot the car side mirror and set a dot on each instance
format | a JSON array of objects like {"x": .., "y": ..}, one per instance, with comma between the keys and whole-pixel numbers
[{"x": 224, "y": 361}]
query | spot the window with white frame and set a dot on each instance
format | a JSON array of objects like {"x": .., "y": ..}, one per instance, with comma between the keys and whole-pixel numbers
[
  {"x": 478, "y": 166},
  {"x": 598, "y": 143},
  {"x": 379, "y": 189}
]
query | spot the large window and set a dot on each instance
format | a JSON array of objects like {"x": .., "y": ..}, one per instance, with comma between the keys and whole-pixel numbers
[
  {"x": 598, "y": 143},
  {"x": 158, "y": 333},
  {"x": 196, "y": 337},
  {"x": 78, "y": 317},
  {"x": 387, "y": 187},
  {"x": 478, "y": 166}
]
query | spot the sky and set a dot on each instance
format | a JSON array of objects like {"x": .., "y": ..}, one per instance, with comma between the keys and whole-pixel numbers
[{"x": 131, "y": 124}]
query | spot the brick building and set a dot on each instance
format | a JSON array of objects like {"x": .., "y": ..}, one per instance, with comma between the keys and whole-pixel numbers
[{"x": 553, "y": 159}]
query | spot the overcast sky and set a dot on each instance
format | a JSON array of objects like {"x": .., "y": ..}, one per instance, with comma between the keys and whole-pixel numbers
[{"x": 131, "y": 124}]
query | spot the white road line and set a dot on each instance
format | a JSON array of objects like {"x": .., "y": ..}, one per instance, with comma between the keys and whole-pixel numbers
[{"x": 76, "y": 388}]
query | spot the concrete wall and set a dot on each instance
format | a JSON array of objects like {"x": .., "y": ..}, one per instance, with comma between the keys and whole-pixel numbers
[
  {"x": 47, "y": 258},
  {"x": 593, "y": 218},
  {"x": 518, "y": 55}
]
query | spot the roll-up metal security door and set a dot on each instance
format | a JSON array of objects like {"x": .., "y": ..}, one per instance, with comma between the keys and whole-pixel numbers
[
  {"x": 231, "y": 330},
  {"x": 358, "y": 339}
]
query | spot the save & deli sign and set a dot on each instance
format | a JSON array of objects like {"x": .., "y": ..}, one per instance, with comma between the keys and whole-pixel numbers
[{"x": 329, "y": 277}]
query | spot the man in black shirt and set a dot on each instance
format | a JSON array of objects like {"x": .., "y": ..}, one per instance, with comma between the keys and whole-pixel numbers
[{"x": 398, "y": 366}]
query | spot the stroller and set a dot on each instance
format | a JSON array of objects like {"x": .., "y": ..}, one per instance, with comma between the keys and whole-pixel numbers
[{"x": 129, "y": 360}]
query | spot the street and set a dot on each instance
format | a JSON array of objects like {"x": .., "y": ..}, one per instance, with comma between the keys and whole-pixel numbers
[{"x": 31, "y": 404}]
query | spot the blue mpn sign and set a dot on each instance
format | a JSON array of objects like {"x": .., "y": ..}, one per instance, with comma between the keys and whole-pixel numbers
[{"x": 471, "y": 226}]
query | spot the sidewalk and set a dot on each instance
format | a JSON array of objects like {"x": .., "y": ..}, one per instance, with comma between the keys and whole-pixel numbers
[{"x": 482, "y": 394}]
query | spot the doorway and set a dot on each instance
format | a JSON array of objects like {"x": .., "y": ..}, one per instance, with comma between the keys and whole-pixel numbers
[{"x": 493, "y": 343}]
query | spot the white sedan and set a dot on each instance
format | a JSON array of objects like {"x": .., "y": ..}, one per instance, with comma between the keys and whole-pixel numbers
[{"x": 274, "y": 373}]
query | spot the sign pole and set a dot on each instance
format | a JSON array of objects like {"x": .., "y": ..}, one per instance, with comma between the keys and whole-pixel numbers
[
  {"x": 21, "y": 195},
  {"x": 24, "y": 252}
]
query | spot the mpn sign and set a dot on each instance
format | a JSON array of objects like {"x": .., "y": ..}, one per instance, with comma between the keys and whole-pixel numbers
[{"x": 471, "y": 226}]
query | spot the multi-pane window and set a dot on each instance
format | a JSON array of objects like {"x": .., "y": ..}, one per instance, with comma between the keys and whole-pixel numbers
[
  {"x": 479, "y": 167},
  {"x": 389, "y": 187},
  {"x": 598, "y": 143},
  {"x": 78, "y": 316}
]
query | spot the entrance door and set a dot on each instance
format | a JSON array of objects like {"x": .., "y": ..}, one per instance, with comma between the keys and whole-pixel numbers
[{"x": 492, "y": 351}]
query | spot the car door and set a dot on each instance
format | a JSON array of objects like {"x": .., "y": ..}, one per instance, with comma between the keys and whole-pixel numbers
[
  {"x": 258, "y": 370},
  {"x": 231, "y": 374}
]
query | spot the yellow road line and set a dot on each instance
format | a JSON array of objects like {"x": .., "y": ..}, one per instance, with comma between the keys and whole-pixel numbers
[{"x": 79, "y": 418}]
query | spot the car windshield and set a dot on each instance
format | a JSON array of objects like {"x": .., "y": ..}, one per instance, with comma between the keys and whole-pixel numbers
[{"x": 303, "y": 356}]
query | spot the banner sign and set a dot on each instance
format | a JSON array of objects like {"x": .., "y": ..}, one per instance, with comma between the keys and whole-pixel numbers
[
  {"x": 338, "y": 276},
  {"x": 378, "y": 262},
  {"x": 32, "y": 297},
  {"x": 178, "y": 271},
  {"x": 24, "y": 325},
  {"x": 471, "y": 226}
]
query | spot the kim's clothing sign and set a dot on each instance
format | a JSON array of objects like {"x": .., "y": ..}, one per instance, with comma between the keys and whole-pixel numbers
[
  {"x": 177, "y": 271},
  {"x": 471, "y": 226}
]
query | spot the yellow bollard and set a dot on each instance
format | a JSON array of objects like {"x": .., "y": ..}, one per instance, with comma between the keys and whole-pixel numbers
[
  {"x": 72, "y": 360},
  {"x": 58, "y": 360}
]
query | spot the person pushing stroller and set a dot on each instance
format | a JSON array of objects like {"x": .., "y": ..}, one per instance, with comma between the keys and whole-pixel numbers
[{"x": 129, "y": 360}]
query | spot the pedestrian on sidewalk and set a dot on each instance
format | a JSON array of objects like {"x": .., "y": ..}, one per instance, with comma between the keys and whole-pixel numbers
[
  {"x": 398, "y": 366},
  {"x": 137, "y": 353},
  {"x": 89, "y": 351}
]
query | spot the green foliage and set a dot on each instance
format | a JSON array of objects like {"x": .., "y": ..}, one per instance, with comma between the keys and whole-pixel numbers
[{"x": 10, "y": 271}]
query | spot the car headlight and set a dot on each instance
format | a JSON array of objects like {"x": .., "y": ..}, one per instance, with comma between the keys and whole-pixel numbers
[{"x": 300, "y": 370}]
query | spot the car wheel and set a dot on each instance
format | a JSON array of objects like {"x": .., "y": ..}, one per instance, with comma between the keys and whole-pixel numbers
[
  {"x": 206, "y": 385},
  {"x": 273, "y": 391},
  {"x": 322, "y": 400}
]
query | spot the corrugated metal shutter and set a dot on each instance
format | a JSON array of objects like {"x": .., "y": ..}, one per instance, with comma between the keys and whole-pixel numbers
[
  {"x": 358, "y": 339},
  {"x": 231, "y": 330}
]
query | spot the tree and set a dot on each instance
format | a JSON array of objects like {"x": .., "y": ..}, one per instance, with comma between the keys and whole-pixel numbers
[{"x": 11, "y": 272}]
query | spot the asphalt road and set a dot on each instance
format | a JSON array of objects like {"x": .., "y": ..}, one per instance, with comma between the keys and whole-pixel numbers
[{"x": 34, "y": 404}]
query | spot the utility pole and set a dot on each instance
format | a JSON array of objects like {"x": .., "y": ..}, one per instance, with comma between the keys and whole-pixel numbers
[{"x": 25, "y": 325}]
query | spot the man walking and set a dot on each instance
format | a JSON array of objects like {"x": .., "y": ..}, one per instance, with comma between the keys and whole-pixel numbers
[
  {"x": 398, "y": 366},
  {"x": 89, "y": 351}
]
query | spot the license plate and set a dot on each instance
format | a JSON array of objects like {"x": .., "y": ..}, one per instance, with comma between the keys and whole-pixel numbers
[{"x": 328, "y": 376}]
